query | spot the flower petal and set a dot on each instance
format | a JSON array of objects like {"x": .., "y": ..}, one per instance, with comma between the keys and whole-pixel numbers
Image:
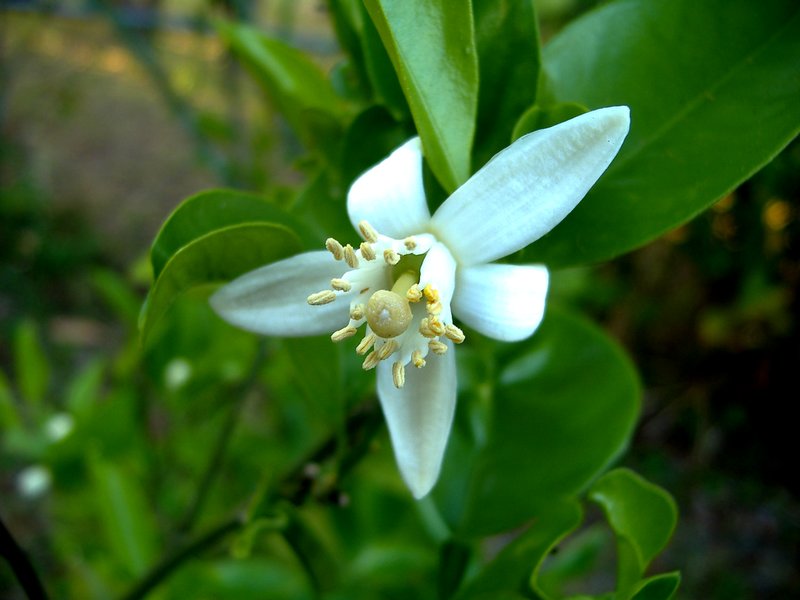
[
  {"x": 419, "y": 416},
  {"x": 439, "y": 269},
  {"x": 504, "y": 302},
  {"x": 272, "y": 300},
  {"x": 390, "y": 196},
  {"x": 528, "y": 188}
]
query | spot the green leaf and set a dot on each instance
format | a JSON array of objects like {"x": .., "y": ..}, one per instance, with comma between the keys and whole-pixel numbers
[
  {"x": 432, "y": 47},
  {"x": 370, "y": 138},
  {"x": 117, "y": 294},
  {"x": 9, "y": 417},
  {"x": 511, "y": 569},
  {"x": 643, "y": 517},
  {"x": 32, "y": 368},
  {"x": 552, "y": 431},
  {"x": 658, "y": 587},
  {"x": 84, "y": 390},
  {"x": 216, "y": 257},
  {"x": 211, "y": 210},
  {"x": 540, "y": 117},
  {"x": 713, "y": 90},
  {"x": 507, "y": 38}
]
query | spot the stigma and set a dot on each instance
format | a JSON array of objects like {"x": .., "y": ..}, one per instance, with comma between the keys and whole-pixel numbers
[{"x": 405, "y": 318}]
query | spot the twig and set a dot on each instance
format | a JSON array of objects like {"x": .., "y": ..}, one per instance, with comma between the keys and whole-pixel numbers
[{"x": 20, "y": 565}]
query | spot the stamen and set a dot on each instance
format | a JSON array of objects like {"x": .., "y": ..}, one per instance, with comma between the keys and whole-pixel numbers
[
  {"x": 391, "y": 257},
  {"x": 431, "y": 293},
  {"x": 387, "y": 349},
  {"x": 437, "y": 347},
  {"x": 417, "y": 360},
  {"x": 410, "y": 243},
  {"x": 350, "y": 256},
  {"x": 365, "y": 344},
  {"x": 425, "y": 329},
  {"x": 398, "y": 374},
  {"x": 434, "y": 308},
  {"x": 357, "y": 312},
  {"x": 341, "y": 285},
  {"x": 454, "y": 333},
  {"x": 436, "y": 326},
  {"x": 335, "y": 248},
  {"x": 343, "y": 333},
  {"x": 323, "y": 297},
  {"x": 413, "y": 294},
  {"x": 367, "y": 251},
  {"x": 368, "y": 231},
  {"x": 371, "y": 361}
]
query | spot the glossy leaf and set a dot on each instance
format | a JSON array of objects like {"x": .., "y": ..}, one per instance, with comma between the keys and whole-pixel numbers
[
  {"x": 511, "y": 569},
  {"x": 643, "y": 517},
  {"x": 713, "y": 90},
  {"x": 208, "y": 211},
  {"x": 658, "y": 587},
  {"x": 214, "y": 258},
  {"x": 507, "y": 37},
  {"x": 432, "y": 47},
  {"x": 568, "y": 382}
]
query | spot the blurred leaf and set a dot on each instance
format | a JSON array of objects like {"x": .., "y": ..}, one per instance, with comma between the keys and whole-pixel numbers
[
  {"x": 507, "y": 38},
  {"x": 124, "y": 515},
  {"x": 540, "y": 117},
  {"x": 215, "y": 257},
  {"x": 370, "y": 138},
  {"x": 713, "y": 92},
  {"x": 347, "y": 21},
  {"x": 643, "y": 517},
  {"x": 511, "y": 569},
  {"x": 9, "y": 417},
  {"x": 31, "y": 366},
  {"x": 569, "y": 382},
  {"x": 317, "y": 560},
  {"x": 658, "y": 587},
  {"x": 208, "y": 211},
  {"x": 117, "y": 294},
  {"x": 427, "y": 40},
  {"x": 83, "y": 391},
  {"x": 453, "y": 562}
]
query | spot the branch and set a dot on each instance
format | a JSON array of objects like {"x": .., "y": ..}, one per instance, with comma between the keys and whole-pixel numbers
[{"x": 20, "y": 565}]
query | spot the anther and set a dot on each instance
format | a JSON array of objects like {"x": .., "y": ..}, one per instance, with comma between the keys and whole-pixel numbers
[
  {"x": 454, "y": 333},
  {"x": 335, "y": 248},
  {"x": 417, "y": 360},
  {"x": 387, "y": 349},
  {"x": 424, "y": 328},
  {"x": 413, "y": 294},
  {"x": 323, "y": 297},
  {"x": 357, "y": 312},
  {"x": 365, "y": 344},
  {"x": 398, "y": 374},
  {"x": 434, "y": 308},
  {"x": 410, "y": 243},
  {"x": 391, "y": 257},
  {"x": 350, "y": 256},
  {"x": 388, "y": 314},
  {"x": 343, "y": 333},
  {"x": 436, "y": 326},
  {"x": 371, "y": 361},
  {"x": 431, "y": 293},
  {"x": 437, "y": 347},
  {"x": 341, "y": 285},
  {"x": 368, "y": 231},
  {"x": 367, "y": 251}
]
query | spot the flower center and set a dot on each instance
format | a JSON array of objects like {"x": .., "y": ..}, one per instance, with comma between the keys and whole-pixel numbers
[{"x": 403, "y": 317}]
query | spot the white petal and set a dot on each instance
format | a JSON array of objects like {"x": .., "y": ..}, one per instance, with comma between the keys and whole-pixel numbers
[
  {"x": 272, "y": 300},
  {"x": 504, "y": 302},
  {"x": 390, "y": 196},
  {"x": 529, "y": 187},
  {"x": 419, "y": 416},
  {"x": 439, "y": 269}
]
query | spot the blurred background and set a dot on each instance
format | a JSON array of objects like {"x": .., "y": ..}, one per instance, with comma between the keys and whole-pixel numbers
[{"x": 112, "y": 112}]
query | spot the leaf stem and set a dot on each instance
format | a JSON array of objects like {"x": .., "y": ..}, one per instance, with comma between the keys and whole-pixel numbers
[{"x": 21, "y": 565}]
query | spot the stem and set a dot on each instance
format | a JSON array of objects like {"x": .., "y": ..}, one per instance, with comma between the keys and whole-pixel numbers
[{"x": 20, "y": 565}]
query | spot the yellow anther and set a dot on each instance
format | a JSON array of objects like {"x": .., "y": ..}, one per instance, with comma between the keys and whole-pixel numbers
[
  {"x": 323, "y": 297},
  {"x": 436, "y": 326},
  {"x": 367, "y": 251},
  {"x": 365, "y": 344},
  {"x": 368, "y": 232},
  {"x": 387, "y": 349},
  {"x": 431, "y": 294},
  {"x": 410, "y": 243},
  {"x": 437, "y": 347},
  {"x": 350, "y": 256},
  {"x": 425, "y": 329},
  {"x": 413, "y": 294},
  {"x": 388, "y": 314},
  {"x": 391, "y": 257},
  {"x": 357, "y": 312},
  {"x": 371, "y": 361},
  {"x": 343, "y": 333},
  {"x": 398, "y": 374},
  {"x": 454, "y": 333},
  {"x": 417, "y": 360},
  {"x": 341, "y": 285},
  {"x": 434, "y": 308},
  {"x": 335, "y": 248}
]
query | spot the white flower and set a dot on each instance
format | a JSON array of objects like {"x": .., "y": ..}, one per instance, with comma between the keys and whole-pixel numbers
[{"x": 414, "y": 271}]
